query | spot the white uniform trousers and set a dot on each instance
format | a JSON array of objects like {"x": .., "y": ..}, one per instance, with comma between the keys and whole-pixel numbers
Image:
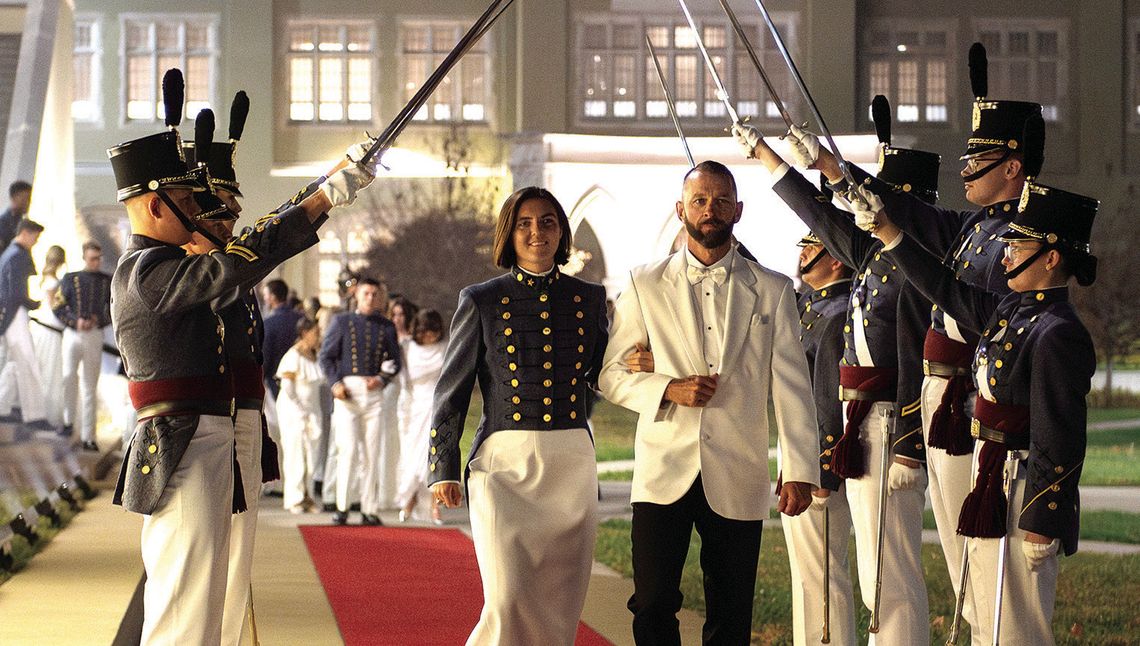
[
  {"x": 950, "y": 481},
  {"x": 243, "y": 526},
  {"x": 1028, "y": 598},
  {"x": 300, "y": 436},
  {"x": 388, "y": 461},
  {"x": 80, "y": 387},
  {"x": 534, "y": 518},
  {"x": 185, "y": 542},
  {"x": 804, "y": 538},
  {"x": 903, "y": 608},
  {"x": 357, "y": 431},
  {"x": 20, "y": 378}
]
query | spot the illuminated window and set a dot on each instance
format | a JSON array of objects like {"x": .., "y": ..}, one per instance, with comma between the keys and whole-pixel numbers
[
  {"x": 330, "y": 71},
  {"x": 85, "y": 62},
  {"x": 151, "y": 46},
  {"x": 616, "y": 81},
  {"x": 908, "y": 62},
  {"x": 465, "y": 93},
  {"x": 1029, "y": 61}
]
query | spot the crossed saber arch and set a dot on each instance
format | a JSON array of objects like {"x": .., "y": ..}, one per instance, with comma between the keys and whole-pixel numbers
[{"x": 887, "y": 420}]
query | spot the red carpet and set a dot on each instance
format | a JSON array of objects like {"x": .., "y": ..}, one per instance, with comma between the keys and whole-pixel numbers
[{"x": 403, "y": 586}]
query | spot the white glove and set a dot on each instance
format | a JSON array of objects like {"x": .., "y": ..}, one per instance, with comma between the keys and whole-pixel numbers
[
  {"x": 805, "y": 146},
  {"x": 819, "y": 503},
  {"x": 864, "y": 204},
  {"x": 900, "y": 477},
  {"x": 342, "y": 186},
  {"x": 747, "y": 138},
  {"x": 1036, "y": 554},
  {"x": 356, "y": 152}
]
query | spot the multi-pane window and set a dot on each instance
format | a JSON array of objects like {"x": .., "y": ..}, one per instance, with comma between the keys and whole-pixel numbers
[
  {"x": 465, "y": 93},
  {"x": 910, "y": 63},
  {"x": 331, "y": 71},
  {"x": 617, "y": 82},
  {"x": 154, "y": 44},
  {"x": 1028, "y": 61},
  {"x": 85, "y": 61}
]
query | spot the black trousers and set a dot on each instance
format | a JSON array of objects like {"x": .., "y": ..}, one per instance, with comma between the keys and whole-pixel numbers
[{"x": 730, "y": 550}]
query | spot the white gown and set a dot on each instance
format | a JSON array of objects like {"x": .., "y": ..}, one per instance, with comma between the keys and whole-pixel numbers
[
  {"x": 422, "y": 367},
  {"x": 48, "y": 346}
]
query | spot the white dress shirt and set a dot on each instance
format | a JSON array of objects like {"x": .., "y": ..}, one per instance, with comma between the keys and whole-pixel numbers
[{"x": 710, "y": 301}]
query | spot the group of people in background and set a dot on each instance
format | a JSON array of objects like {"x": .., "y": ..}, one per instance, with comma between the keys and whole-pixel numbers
[
  {"x": 350, "y": 393},
  {"x": 61, "y": 348}
]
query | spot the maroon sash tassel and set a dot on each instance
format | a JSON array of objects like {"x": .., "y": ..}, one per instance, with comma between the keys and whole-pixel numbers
[
  {"x": 848, "y": 455},
  {"x": 985, "y": 509},
  {"x": 950, "y": 424}
]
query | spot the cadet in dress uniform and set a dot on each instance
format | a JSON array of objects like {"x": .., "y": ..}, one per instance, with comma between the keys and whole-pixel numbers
[
  {"x": 360, "y": 356},
  {"x": 20, "y": 381},
  {"x": 534, "y": 339},
  {"x": 83, "y": 306},
  {"x": 178, "y": 467},
  {"x": 1032, "y": 368},
  {"x": 242, "y": 329},
  {"x": 880, "y": 371},
  {"x": 823, "y": 311},
  {"x": 967, "y": 241}
]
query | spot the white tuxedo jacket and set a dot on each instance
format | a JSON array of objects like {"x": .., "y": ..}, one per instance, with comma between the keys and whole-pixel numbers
[{"x": 726, "y": 442}]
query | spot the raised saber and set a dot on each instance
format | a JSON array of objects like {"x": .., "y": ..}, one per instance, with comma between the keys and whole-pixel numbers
[
  {"x": 807, "y": 94},
  {"x": 739, "y": 29},
  {"x": 474, "y": 33},
  {"x": 721, "y": 93},
  {"x": 669, "y": 102}
]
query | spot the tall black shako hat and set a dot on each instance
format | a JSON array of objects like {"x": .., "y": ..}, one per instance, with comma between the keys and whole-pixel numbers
[
  {"x": 996, "y": 125},
  {"x": 910, "y": 171},
  {"x": 219, "y": 155},
  {"x": 156, "y": 161},
  {"x": 1056, "y": 218},
  {"x": 212, "y": 207}
]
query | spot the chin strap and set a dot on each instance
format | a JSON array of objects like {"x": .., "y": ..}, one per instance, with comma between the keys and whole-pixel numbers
[
  {"x": 808, "y": 267},
  {"x": 1016, "y": 271},
  {"x": 187, "y": 223},
  {"x": 982, "y": 172}
]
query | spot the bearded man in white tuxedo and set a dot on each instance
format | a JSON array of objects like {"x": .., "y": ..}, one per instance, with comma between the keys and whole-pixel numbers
[{"x": 698, "y": 341}]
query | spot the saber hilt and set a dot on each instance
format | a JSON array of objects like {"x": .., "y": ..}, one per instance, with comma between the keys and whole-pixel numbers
[
  {"x": 669, "y": 102},
  {"x": 887, "y": 417}
]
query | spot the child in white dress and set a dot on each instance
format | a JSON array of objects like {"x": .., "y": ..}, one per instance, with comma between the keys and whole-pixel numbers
[{"x": 299, "y": 416}]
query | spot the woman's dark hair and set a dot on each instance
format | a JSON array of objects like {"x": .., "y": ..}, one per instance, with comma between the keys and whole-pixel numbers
[
  {"x": 503, "y": 248},
  {"x": 406, "y": 305},
  {"x": 304, "y": 324},
  {"x": 426, "y": 320}
]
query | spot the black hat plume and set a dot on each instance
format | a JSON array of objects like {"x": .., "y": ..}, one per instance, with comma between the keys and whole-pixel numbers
[
  {"x": 173, "y": 94},
  {"x": 203, "y": 135},
  {"x": 1034, "y": 152},
  {"x": 979, "y": 70},
  {"x": 239, "y": 110},
  {"x": 881, "y": 115}
]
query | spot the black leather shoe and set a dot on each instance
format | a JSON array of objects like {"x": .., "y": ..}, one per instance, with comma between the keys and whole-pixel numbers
[
  {"x": 329, "y": 506},
  {"x": 340, "y": 518},
  {"x": 90, "y": 445},
  {"x": 65, "y": 431},
  {"x": 39, "y": 425},
  {"x": 370, "y": 519}
]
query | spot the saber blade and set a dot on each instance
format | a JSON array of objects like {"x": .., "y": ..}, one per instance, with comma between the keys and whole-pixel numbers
[
  {"x": 669, "y": 102},
  {"x": 806, "y": 93},
  {"x": 740, "y": 33},
  {"x": 721, "y": 92}
]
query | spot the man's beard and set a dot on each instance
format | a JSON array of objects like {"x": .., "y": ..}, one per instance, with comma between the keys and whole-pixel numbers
[{"x": 713, "y": 239}]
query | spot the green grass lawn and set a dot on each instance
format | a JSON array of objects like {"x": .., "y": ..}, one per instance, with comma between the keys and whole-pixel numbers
[
  {"x": 1112, "y": 414},
  {"x": 1089, "y": 592},
  {"x": 1098, "y": 525}
]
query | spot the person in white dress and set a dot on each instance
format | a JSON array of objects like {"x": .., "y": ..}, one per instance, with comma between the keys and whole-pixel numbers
[
  {"x": 299, "y": 416},
  {"x": 48, "y": 342},
  {"x": 423, "y": 361}
]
